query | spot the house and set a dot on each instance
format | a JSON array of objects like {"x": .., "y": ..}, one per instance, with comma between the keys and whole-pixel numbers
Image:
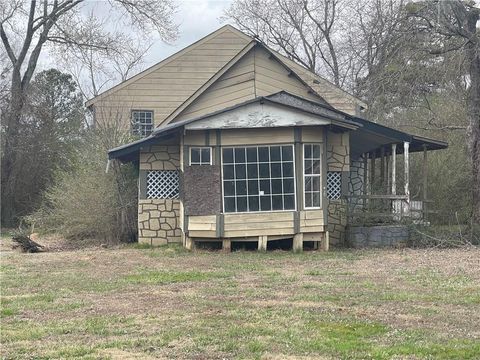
[{"x": 241, "y": 144}]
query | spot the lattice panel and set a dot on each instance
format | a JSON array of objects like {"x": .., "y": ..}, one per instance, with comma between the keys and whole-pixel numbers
[
  {"x": 162, "y": 184},
  {"x": 334, "y": 185}
]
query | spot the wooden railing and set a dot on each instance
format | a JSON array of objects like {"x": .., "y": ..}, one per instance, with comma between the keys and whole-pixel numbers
[{"x": 377, "y": 209}]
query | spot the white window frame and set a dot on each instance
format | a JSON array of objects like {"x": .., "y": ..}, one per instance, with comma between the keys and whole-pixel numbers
[
  {"x": 261, "y": 211},
  {"x": 200, "y": 148},
  {"x": 312, "y": 175},
  {"x": 134, "y": 124}
]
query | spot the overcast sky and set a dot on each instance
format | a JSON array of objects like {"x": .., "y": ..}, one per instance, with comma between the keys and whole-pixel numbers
[{"x": 196, "y": 18}]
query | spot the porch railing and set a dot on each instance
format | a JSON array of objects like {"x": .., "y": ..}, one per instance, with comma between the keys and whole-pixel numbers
[{"x": 377, "y": 209}]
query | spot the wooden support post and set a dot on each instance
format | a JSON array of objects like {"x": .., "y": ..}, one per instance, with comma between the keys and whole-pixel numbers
[
  {"x": 394, "y": 169},
  {"x": 387, "y": 173},
  {"x": 227, "y": 245},
  {"x": 189, "y": 243},
  {"x": 382, "y": 168},
  {"x": 365, "y": 179},
  {"x": 262, "y": 243},
  {"x": 425, "y": 183},
  {"x": 406, "y": 145},
  {"x": 298, "y": 242},
  {"x": 326, "y": 241},
  {"x": 372, "y": 172}
]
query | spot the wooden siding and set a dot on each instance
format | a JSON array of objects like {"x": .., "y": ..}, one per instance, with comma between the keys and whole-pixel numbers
[
  {"x": 312, "y": 221},
  {"x": 164, "y": 87},
  {"x": 257, "y": 136},
  {"x": 256, "y": 74},
  {"x": 202, "y": 226},
  {"x": 257, "y": 224}
]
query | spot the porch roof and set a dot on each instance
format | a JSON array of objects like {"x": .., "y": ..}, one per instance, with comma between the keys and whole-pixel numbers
[{"x": 365, "y": 136}]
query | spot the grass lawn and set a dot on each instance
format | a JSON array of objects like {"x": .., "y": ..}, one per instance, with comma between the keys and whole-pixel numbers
[{"x": 142, "y": 303}]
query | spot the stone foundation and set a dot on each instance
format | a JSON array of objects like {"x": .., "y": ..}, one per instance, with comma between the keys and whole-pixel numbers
[
  {"x": 158, "y": 221},
  {"x": 377, "y": 236}
]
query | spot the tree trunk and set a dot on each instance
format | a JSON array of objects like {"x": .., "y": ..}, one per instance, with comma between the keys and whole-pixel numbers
[
  {"x": 11, "y": 123},
  {"x": 473, "y": 106}
]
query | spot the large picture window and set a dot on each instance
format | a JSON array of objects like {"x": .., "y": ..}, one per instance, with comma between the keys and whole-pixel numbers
[
  {"x": 258, "y": 178},
  {"x": 312, "y": 177}
]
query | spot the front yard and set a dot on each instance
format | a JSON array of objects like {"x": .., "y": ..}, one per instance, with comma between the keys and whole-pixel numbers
[{"x": 168, "y": 303}]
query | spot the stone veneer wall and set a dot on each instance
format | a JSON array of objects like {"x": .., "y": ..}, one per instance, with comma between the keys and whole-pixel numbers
[
  {"x": 338, "y": 159},
  {"x": 159, "y": 219},
  {"x": 355, "y": 183}
]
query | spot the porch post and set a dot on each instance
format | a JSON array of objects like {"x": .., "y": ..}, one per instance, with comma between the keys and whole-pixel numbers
[
  {"x": 365, "y": 179},
  {"x": 425, "y": 175},
  {"x": 372, "y": 171},
  {"x": 394, "y": 169},
  {"x": 406, "y": 145},
  {"x": 382, "y": 168}
]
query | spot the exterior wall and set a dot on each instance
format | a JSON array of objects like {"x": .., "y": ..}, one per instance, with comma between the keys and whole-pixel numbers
[
  {"x": 356, "y": 184},
  {"x": 256, "y": 74},
  {"x": 165, "y": 86},
  {"x": 158, "y": 219},
  {"x": 338, "y": 159},
  {"x": 377, "y": 236}
]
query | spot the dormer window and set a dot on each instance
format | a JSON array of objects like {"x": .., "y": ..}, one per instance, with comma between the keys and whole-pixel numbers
[{"x": 142, "y": 122}]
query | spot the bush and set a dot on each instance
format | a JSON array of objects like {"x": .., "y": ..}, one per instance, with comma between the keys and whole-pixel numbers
[{"x": 87, "y": 202}]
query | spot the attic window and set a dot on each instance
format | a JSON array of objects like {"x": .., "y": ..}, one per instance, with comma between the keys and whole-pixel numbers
[{"x": 142, "y": 122}]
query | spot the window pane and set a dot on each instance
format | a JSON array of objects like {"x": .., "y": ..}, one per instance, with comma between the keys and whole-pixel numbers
[
  {"x": 253, "y": 187},
  {"x": 206, "y": 156},
  {"x": 316, "y": 151},
  {"x": 308, "y": 166},
  {"x": 316, "y": 167},
  {"x": 239, "y": 155},
  {"x": 316, "y": 199},
  {"x": 228, "y": 172},
  {"x": 241, "y": 204},
  {"x": 308, "y": 151},
  {"x": 275, "y": 153},
  {"x": 308, "y": 199},
  {"x": 195, "y": 154},
  {"x": 228, "y": 156},
  {"x": 265, "y": 186},
  {"x": 316, "y": 183},
  {"x": 253, "y": 203},
  {"x": 252, "y": 171},
  {"x": 288, "y": 169},
  {"x": 240, "y": 171},
  {"x": 287, "y": 153},
  {"x": 229, "y": 188},
  {"x": 277, "y": 202},
  {"x": 289, "y": 202},
  {"x": 276, "y": 186},
  {"x": 229, "y": 204},
  {"x": 241, "y": 187},
  {"x": 276, "y": 170},
  {"x": 252, "y": 154},
  {"x": 263, "y": 154},
  {"x": 264, "y": 171},
  {"x": 265, "y": 204},
  {"x": 288, "y": 186},
  {"x": 308, "y": 183}
]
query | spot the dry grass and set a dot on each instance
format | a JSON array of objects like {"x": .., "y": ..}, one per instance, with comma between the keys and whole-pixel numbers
[{"x": 138, "y": 303}]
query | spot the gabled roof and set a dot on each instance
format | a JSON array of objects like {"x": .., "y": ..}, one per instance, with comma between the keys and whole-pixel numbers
[
  {"x": 337, "y": 97},
  {"x": 166, "y": 61}
]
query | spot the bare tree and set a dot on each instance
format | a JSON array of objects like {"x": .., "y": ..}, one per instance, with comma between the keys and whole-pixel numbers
[
  {"x": 453, "y": 26},
  {"x": 27, "y": 27}
]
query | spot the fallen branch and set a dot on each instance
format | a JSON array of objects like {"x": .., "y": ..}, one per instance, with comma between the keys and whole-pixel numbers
[{"x": 26, "y": 244}]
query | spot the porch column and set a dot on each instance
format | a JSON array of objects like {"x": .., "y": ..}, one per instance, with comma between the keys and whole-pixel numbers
[
  {"x": 382, "y": 168},
  {"x": 365, "y": 179},
  {"x": 425, "y": 183},
  {"x": 406, "y": 146},
  {"x": 372, "y": 172},
  {"x": 394, "y": 169}
]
